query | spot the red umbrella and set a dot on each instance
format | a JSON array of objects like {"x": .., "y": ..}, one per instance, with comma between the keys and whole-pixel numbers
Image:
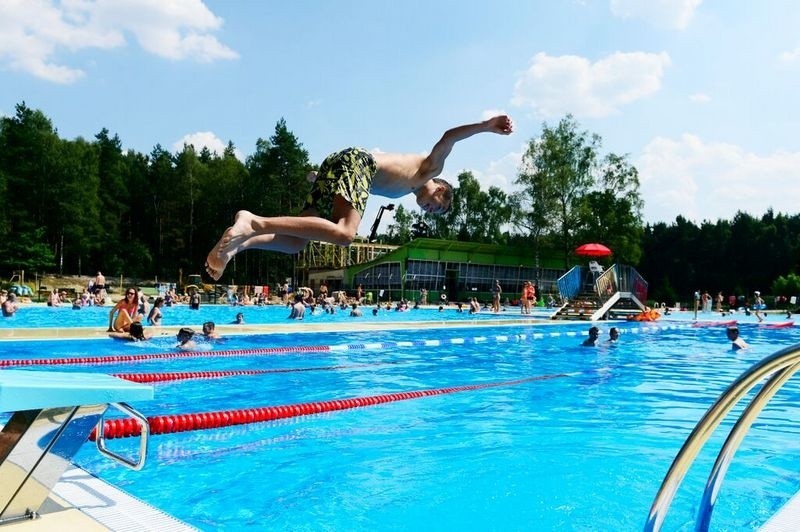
[{"x": 593, "y": 250}]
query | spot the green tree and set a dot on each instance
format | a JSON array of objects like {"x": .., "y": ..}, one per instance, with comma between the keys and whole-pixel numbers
[
  {"x": 476, "y": 215},
  {"x": 496, "y": 213},
  {"x": 569, "y": 194},
  {"x": 29, "y": 148},
  {"x": 276, "y": 186},
  {"x": 221, "y": 192},
  {"x": 114, "y": 200},
  {"x": 557, "y": 171},
  {"x": 399, "y": 232},
  {"x": 76, "y": 206},
  {"x": 788, "y": 286}
]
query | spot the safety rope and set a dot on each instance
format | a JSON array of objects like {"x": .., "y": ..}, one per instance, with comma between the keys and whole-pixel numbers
[{"x": 166, "y": 424}]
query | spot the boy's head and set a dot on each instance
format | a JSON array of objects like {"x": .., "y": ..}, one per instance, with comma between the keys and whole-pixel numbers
[
  {"x": 185, "y": 334},
  {"x": 438, "y": 199},
  {"x": 208, "y": 327}
]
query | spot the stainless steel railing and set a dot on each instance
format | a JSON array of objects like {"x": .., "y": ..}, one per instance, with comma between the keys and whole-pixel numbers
[{"x": 780, "y": 367}]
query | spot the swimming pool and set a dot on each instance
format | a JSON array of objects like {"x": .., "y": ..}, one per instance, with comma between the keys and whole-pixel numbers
[
  {"x": 35, "y": 316},
  {"x": 582, "y": 444}
]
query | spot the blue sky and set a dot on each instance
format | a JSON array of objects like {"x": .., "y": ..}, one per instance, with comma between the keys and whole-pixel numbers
[{"x": 700, "y": 94}]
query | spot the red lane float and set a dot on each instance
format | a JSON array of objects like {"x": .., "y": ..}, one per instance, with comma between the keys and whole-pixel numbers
[
  {"x": 780, "y": 325},
  {"x": 166, "y": 424},
  {"x": 114, "y": 359},
  {"x": 714, "y": 323},
  {"x": 188, "y": 375}
]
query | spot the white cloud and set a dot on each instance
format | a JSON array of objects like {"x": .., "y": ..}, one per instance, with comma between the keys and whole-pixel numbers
[
  {"x": 699, "y": 97},
  {"x": 502, "y": 172},
  {"x": 204, "y": 139},
  {"x": 674, "y": 14},
  {"x": 553, "y": 86},
  {"x": 32, "y": 32},
  {"x": 713, "y": 180},
  {"x": 791, "y": 56}
]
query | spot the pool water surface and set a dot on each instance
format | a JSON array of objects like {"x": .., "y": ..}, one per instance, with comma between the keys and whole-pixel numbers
[{"x": 583, "y": 443}]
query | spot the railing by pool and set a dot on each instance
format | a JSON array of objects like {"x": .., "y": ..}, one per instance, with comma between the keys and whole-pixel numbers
[{"x": 779, "y": 367}]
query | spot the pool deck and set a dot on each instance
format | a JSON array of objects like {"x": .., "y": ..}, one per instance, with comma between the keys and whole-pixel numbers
[
  {"x": 787, "y": 519},
  {"x": 81, "y": 501}
]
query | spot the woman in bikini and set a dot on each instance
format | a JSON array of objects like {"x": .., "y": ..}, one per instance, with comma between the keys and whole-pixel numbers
[
  {"x": 154, "y": 318},
  {"x": 127, "y": 311}
]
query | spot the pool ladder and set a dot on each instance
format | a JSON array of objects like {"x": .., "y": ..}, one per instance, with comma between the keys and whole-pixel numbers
[{"x": 781, "y": 366}]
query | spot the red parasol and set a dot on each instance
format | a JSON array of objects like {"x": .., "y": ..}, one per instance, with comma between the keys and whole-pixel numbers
[{"x": 593, "y": 250}]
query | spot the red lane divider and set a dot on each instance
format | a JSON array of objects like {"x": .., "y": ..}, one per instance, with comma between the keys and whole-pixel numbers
[
  {"x": 714, "y": 323},
  {"x": 188, "y": 375},
  {"x": 113, "y": 359},
  {"x": 167, "y": 424}
]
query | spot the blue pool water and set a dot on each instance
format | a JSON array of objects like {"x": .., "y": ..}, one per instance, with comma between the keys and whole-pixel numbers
[
  {"x": 30, "y": 316},
  {"x": 585, "y": 449}
]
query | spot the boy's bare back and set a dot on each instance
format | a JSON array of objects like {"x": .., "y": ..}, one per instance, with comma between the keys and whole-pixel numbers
[{"x": 398, "y": 174}]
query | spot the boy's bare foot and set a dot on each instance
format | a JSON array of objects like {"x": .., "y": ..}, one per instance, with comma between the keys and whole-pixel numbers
[{"x": 229, "y": 243}]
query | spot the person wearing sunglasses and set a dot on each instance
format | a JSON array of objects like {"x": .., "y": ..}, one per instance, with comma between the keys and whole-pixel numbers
[{"x": 126, "y": 311}]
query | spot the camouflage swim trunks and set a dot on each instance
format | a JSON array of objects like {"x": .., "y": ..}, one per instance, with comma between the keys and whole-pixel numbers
[{"x": 347, "y": 173}]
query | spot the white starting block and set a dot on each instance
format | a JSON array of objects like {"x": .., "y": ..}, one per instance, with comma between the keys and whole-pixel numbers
[{"x": 53, "y": 415}]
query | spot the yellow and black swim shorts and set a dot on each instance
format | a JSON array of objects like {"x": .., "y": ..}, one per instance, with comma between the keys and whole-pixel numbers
[{"x": 347, "y": 173}]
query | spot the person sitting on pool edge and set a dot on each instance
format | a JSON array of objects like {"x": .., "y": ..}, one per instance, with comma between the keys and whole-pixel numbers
[
  {"x": 339, "y": 194},
  {"x": 127, "y": 311},
  {"x": 136, "y": 333},
  {"x": 737, "y": 342},
  {"x": 594, "y": 333}
]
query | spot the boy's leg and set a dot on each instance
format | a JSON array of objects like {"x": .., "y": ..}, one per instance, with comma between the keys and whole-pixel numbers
[
  {"x": 307, "y": 226},
  {"x": 287, "y": 234}
]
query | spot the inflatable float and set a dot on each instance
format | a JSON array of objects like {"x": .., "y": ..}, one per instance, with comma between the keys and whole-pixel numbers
[{"x": 646, "y": 315}]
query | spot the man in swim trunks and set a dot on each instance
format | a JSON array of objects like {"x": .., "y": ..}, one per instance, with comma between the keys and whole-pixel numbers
[{"x": 339, "y": 195}]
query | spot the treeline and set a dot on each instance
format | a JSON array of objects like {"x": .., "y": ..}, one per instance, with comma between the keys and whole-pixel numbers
[
  {"x": 78, "y": 206},
  {"x": 735, "y": 257}
]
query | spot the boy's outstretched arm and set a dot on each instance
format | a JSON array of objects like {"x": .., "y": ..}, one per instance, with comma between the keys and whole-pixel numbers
[{"x": 433, "y": 164}]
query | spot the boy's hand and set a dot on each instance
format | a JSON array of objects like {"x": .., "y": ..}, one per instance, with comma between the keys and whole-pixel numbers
[{"x": 501, "y": 125}]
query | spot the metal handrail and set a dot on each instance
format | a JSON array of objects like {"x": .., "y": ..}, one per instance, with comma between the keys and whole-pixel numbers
[
  {"x": 137, "y": 464},
  {"x": 569, "y": 284},
  {"x": 781, "y": 365},
  {"x": 606, "y": 284},
  {"x": 630, "y": 280}
]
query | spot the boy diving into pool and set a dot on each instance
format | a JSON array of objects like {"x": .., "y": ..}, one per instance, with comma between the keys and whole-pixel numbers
[{"x": 334, "y": 208}]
